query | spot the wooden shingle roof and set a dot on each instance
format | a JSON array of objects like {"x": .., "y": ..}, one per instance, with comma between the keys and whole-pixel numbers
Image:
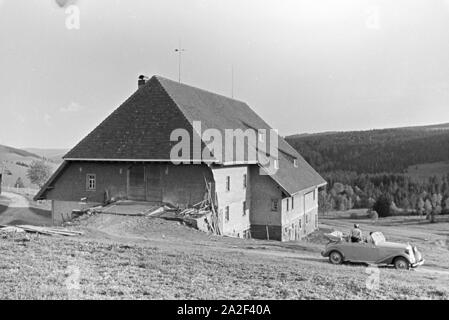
[{"x": 140, "y": 129}]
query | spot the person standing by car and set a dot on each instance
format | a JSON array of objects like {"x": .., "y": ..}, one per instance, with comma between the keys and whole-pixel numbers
[
  {"x": 370, "y": 239},
  {"x": 356, "y": 234}
]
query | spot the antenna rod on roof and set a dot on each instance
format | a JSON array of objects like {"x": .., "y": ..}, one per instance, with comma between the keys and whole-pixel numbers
[
  {"x": 232, "y": 81},
  {"x": 179, "y": 50}
]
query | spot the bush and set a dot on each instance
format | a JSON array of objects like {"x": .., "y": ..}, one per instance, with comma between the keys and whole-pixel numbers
[
  {"x": 38, "y": 173},
  {"x": 22, "y": 164},
  {"x": 19, "y": 183},
  {"x": 383, "y": 206},
  {"x": 373, "y": 215}
]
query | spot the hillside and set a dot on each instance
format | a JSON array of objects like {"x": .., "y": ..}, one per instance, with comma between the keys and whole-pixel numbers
[
  {"x": 50, "y": 154},
  {"x": 374, "y": 151},
  {"x": 149, "y": 258},
  {"x": 15, "y": 163},
  {"x": 408, "y": 168},
  {"x": 11, "y": 153}
]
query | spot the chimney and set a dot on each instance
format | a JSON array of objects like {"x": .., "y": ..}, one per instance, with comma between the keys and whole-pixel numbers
[{"x": 142, "y": 80}]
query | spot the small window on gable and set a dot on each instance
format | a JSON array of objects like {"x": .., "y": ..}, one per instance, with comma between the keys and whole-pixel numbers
[
  {"x": 244, "y": 181},
  {"x": 227, "y": 213},
  {"x": 274, "y": 205},
  {"x": 91, "y": 183},
  {"x": 295, "y": 163},
  {"x": 228, "y": 183}
]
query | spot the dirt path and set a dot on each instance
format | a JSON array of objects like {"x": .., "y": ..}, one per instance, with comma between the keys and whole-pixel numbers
[
  {"x": 253, "y": 249},
  {"x": 18, "y": 211},
  {"x": 16, "y": 200}
]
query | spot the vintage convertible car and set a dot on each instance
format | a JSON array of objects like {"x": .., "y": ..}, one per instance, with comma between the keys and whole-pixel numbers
[{"x": 375, "y": 250}]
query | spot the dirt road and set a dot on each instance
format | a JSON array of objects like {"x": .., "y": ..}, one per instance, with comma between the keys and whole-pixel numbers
[{"x": 15, "y": 209}]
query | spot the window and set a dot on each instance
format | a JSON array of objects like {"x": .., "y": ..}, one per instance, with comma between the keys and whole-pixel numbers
[
  {"x": 244, "y": 181},
  {"x": 244, "y": 208},
  {"x": 287, "y": 204},
  {"x": 307, "y": 218},
  {"x": 295, "y": 163},
  {"x": 228, "y": 183},
  {"x": 293, "y": 202},
  {"x": 261, "y": 135},
  {"x": 227, "y": 213},
  {"x": 91, "y": 183},
  {"x": 313, "y": 194},
  {"x": 276, "y": 164},
  {"x": 300, "y": 224},
  {"x": 274, "y": 205}
]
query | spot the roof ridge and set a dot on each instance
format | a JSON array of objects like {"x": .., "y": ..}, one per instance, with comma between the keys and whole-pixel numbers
[{"x": 197, "y": 88}]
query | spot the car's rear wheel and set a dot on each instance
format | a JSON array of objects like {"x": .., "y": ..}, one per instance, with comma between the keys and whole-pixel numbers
[
  {"x": 335, "y": 257},
  {"x": 401, "y": 263}
]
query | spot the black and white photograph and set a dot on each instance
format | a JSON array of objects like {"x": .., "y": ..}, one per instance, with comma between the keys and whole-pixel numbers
[{"x": 232, "y": 151}]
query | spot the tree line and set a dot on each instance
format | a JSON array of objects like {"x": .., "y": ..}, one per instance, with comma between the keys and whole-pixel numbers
[
  {"x": 375, "y": 151},
  {"x": 367, "y": 169},
  {"x": 387, "y": 194}
]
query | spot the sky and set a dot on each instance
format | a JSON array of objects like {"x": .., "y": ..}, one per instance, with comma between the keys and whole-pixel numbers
[{"x": 302, "y": 65}]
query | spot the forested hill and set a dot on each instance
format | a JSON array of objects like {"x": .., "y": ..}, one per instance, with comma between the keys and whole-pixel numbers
[{"x": 374, "y": 151}]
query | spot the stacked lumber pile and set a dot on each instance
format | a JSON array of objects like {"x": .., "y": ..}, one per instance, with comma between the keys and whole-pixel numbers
[{"x": 50, "y": 231}]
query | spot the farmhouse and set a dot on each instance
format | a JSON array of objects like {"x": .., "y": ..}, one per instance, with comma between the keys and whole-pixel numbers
[{"x": 129, "y": 157}]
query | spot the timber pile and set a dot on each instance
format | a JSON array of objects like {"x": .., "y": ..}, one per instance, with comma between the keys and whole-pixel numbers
[
  {"x": 201, "y": 208},
  {"x": 50, "y": 231},
  {"x": 205, "y": 208}
]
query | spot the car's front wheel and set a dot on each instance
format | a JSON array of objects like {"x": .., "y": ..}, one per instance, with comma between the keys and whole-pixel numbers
[
  {"x": 401, "y": 263},
  {"x": 335, "y": 257}
]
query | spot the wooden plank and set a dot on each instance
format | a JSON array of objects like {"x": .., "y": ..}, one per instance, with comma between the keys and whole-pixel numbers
[{"x": 49, "y": 231}]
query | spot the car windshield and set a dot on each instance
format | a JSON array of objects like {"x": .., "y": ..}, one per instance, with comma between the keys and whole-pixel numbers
[{"x": 378, "y": 237}]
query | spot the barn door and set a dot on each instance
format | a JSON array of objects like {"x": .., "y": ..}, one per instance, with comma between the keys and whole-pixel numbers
[
  {"x": 136, "y": 183},
  {"x": 154, "y": 186}
]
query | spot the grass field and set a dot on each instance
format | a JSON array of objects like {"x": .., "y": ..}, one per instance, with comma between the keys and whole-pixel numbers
[
  {"x": 426, "y": 170},
  {"x": 149, "y": 258}
]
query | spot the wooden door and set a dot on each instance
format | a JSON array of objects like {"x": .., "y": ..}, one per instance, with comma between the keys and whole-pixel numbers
[
  {"x": 153, "y": 182},
  {"x": 136, "y": 183}
]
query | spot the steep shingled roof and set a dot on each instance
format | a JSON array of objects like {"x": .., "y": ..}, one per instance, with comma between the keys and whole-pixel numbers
[{"x": 140, "y": 129}]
